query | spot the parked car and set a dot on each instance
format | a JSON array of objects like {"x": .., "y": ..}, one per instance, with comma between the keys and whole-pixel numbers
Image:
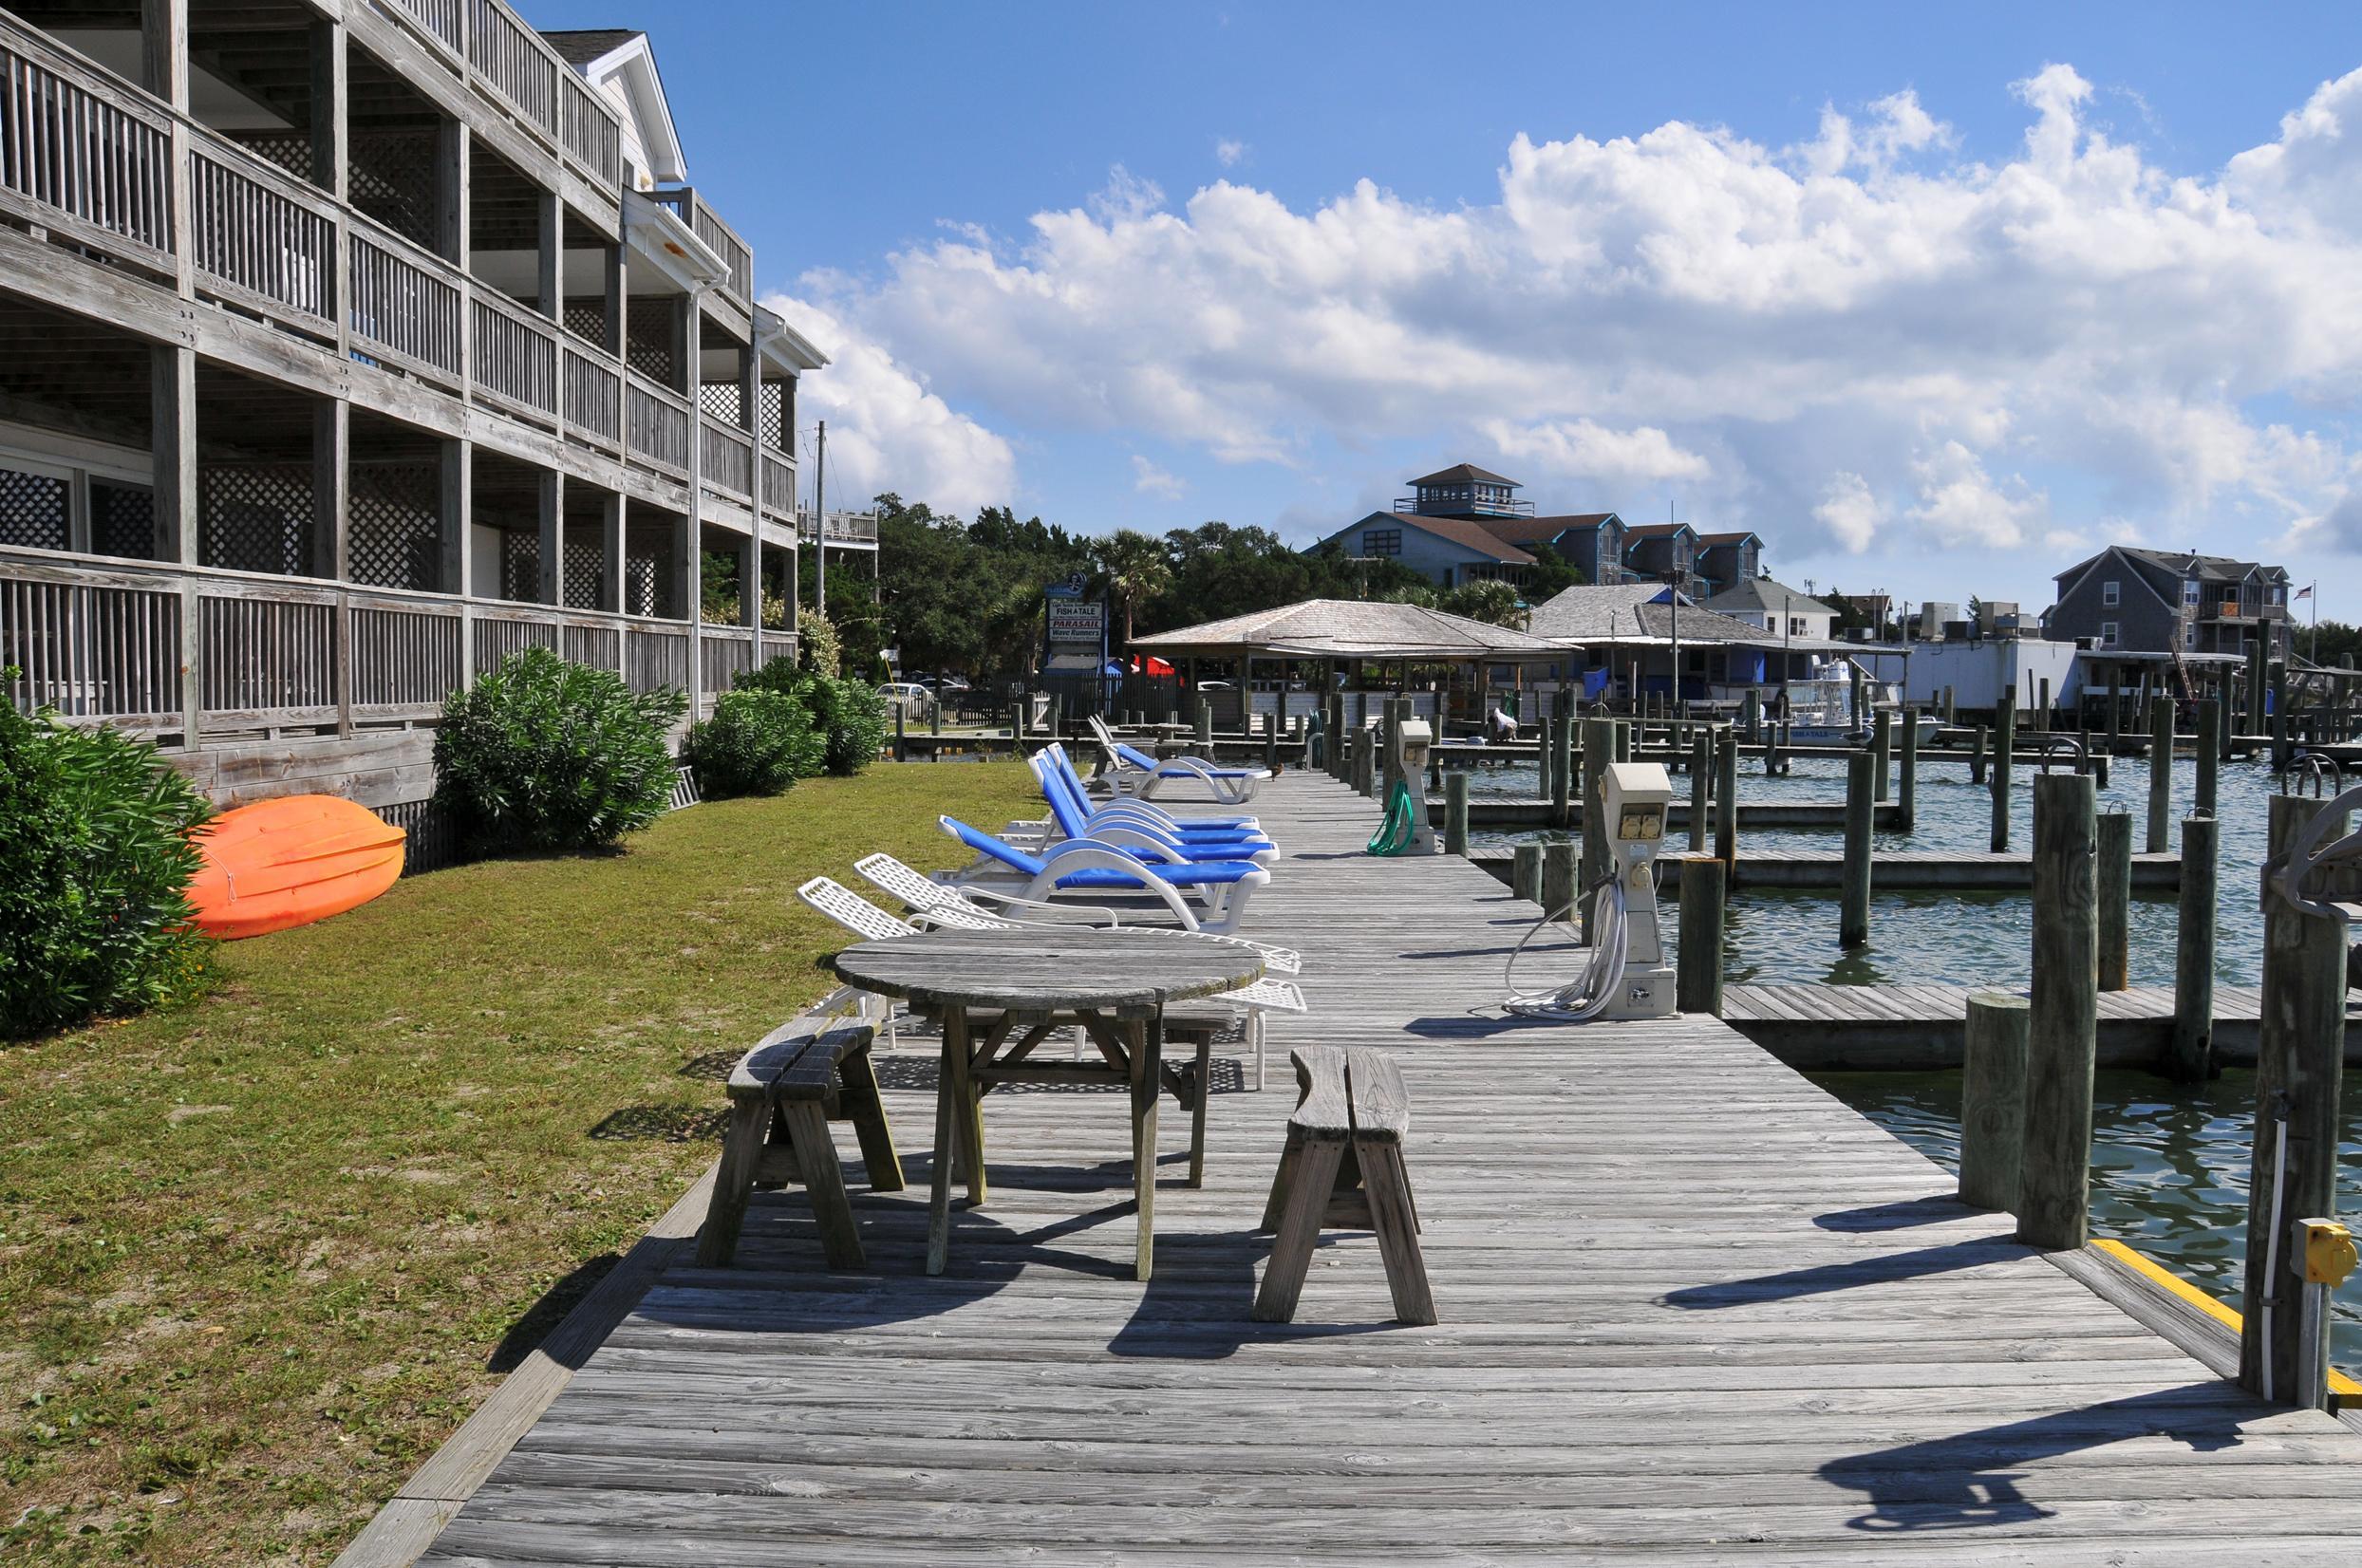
[{"x": 907, "y": 694}]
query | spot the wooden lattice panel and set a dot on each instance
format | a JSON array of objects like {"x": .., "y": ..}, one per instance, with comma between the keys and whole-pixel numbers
[
  {"x": 393, "y": 525},
  {"x": 586, "y": 566},
  {"x": 122, "y": 520},
  {"x": 721, "y": 400},
  {"x": 586, "y": 320},
  {"x": 256, "y": 517},
  {"x": 779, "y": 415},
  {"x": 36, "y": 510},
  {"x": 392, "y": 179},
  {"x": 520, "y": 564},
  {"x": 289, "y": 150}
]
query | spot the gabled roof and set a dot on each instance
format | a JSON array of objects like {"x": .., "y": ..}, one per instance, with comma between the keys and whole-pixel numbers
[
  {"x": 1320, "y": 628},
  {"x": 1765, "y": 594},
  {"x": 1460, "y": 473},
  {"x": 581, "y": 45},
  {"x": 1642, "y": 612},
  {"x": 2178, "y": 563},
  {"x": 1737, "y": 538},
  {"x": 1660, "y": 530},
  {"x": 1539, "y": 531},
  {"x": 601, "y": 54},
  {"x": 1468, "y": 536}
]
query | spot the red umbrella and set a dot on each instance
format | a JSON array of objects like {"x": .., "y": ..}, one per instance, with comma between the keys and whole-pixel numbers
[{"x": 1156, "y": 666}]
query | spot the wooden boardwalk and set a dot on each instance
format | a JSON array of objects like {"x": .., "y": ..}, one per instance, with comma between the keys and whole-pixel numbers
[
  {"x": 1891, "y": 870},
  {"x": 1887, "y": 1028},
  {"x": 1692, "y": 1308}
]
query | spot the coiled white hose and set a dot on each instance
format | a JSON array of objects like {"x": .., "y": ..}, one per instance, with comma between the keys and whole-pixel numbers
[{"x": 1587, "y": 998}]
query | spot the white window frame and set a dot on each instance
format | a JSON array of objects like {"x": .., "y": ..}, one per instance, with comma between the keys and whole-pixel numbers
[
  {"x": 2112, "y": 594},
  {"x": 2110, "y": 634},
  {"x": 2190, "y": 636},
  {"x": 2192, "y": 593}
]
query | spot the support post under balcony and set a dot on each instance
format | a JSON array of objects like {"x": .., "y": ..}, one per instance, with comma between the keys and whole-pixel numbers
[
  {"x": 612, "y": 518},
  {"x": 459, "y": 543},
  {"x": 173, "y": 449},
  {"x": 551, "y": 556}
]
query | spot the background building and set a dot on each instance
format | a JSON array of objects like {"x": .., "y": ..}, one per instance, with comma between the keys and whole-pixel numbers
[{"x": 2128, "y": 600}]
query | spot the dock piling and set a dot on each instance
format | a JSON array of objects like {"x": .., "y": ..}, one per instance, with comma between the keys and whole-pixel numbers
[
  {"x": 1205, "y": 726},
  {"x": 1526, "y": 872},
  {"x": 1697, "y": 978},
  {"x": 1701, "y": 782},
  {"x": 1599, "y": 750},
  {"x": 2062, "y": 1039},
  {"x": 1853, "y": 921},
  {"x": 2004, "y": 743},
  {"x": 1544, "y": 732},
  {"x": 1559, "y": 888},
  {"x": 1992, "y": 1099},
  {"x": 1455, "y": 812},
  {"x": 2299, "y": 1060},
  {"x": 2209, "y": 760},
  {"x": 1907, "y": 788},
  {"x": 1562, "y": 772},
  {"x": 1883, "y": 754},
  {"x": 2159, "y": 774},
  {"x": 2192, "y": 1058},
  {"x": 1726, "y": 805},
  {"x": 1976, "y": 755},
  {"x": 2112, "y": 880}
]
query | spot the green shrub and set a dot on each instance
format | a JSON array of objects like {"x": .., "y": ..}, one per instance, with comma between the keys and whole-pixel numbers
[
  {"x": 546, "y": 755},
  {"x": 95, "y": 862},
  {"x": 850, "y": 715},
  {"x": 758, "y": 742}
]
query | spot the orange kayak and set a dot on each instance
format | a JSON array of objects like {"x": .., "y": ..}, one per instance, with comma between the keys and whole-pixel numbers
[{"x": 289, "y": 862}]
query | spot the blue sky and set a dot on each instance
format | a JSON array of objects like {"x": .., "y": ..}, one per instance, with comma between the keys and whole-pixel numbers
[{"x": 2036, "y": 344}]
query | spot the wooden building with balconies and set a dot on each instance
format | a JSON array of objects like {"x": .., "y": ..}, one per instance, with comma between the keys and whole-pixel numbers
[{"x": 348, "y": 348}]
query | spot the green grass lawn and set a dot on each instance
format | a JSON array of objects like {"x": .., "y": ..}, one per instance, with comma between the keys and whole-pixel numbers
[{"x": 261, "y": 1255}]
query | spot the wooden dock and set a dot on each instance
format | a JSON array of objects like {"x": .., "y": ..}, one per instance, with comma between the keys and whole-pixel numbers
[
  {"x": 1692, "y": 1308},
  {"x": 1891, "y": 870},
  {"x": 1874, "y": 1028},
  {"x": 1510, "y": 811}
]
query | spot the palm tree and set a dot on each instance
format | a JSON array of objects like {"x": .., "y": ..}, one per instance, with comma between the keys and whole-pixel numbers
[
  {"x": 1136, "y": 569},
  {"x": 1488, "y": 600}
]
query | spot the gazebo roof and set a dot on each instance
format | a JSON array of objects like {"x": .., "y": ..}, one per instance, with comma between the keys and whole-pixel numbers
[{"x": 1352, "y": 628}]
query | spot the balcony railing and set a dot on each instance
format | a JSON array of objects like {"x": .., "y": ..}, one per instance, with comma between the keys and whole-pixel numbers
[
  {"x": 691, "y": 209},
  {"x": 89, "y": 159},
  {"x": 778, "y": 485},
  {"x": 729, "y": 459},
  {"x": 101, "y": 643},
  {"x": 80, "y": 156},
  {"x": 516, "y": 356},
  {"x": 656, "y": 425},
  {"x": 845, "y": 528},
  {"x": 487, "y": 42}
]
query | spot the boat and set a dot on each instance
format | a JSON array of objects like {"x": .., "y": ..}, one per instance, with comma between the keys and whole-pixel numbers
[
  {"x": 284, "y": 863},
  {"x": 1820, "y": 713}
]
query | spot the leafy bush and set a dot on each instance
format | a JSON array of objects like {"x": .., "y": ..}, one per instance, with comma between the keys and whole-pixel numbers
[
  {"x": 850, "y": 715},
  {"x": 546, "y": 755},
  {"x": 95, "y": 862},
  {"x": 822, "y": 649},
  {"x": 758, "y": 742}
]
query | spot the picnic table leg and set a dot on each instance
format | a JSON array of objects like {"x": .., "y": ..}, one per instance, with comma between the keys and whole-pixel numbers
[
  {"x": 968, "y": 1114},
  {"x": 1147, "y": 1045},
  {"x": 939, "y": 1176},
  {"x": 1201, "y": 1080}
]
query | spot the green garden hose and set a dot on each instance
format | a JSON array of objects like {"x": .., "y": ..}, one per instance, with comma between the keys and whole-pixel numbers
[{"x": 1393, "y": 834}]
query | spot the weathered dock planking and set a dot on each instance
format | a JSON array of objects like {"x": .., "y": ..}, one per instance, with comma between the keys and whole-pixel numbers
[
  {"x": 1691, "y": 1307},
  {"x": 1891, "y": 870},
  {"x": 1904, "y": 1028}
]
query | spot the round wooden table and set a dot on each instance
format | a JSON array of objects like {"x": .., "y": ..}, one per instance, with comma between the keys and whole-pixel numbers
[{"x": 985, "y": 985}]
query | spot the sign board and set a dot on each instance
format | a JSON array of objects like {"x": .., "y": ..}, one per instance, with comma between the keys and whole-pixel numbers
[{"x": 1077, "y": 622}]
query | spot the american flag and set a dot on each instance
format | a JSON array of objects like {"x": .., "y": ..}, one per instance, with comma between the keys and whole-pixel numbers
[{"x": 2305, "y": 593}]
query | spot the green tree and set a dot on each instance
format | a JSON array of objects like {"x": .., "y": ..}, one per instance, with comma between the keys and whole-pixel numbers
[
  {"x": 1136, "y": 569},
  {"x": 1551, "y": 574},
  {"x": 1495, "y": 603}
]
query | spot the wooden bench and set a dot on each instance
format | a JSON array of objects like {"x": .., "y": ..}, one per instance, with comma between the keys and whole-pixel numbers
[
  {"x": 810, "y": 1070},
  {"x": 1343, "y": 1166}
]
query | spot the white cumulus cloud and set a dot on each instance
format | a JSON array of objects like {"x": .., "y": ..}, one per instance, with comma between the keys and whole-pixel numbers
[
  {"x": 1856, "y": 342},
  {"x": 886, "y": 430},
  {"x": 1149, "y": 479}
]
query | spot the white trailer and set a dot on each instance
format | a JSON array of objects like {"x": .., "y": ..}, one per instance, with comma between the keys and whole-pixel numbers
[{"x": 1979, "y": 672}]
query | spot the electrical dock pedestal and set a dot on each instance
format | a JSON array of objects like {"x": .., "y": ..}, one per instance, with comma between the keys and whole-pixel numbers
[{"x": 1636, "y": 797}]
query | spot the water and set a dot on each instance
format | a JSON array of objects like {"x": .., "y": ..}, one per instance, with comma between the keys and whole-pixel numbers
[
  {"x": 1948, "y": 938},
  {"x": 2169, "y": 1167}
]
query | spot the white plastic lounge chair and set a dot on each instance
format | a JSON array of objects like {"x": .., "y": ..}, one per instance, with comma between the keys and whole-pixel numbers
[
  {"x": 1073, "y": 818},
  {"x": 1131, "y": 809},
  {"x": 1137, "y": 773},
  {"x": 1089, "y": 866},
  {"x": 919, "y": 892},
  {"x": 872, "y": 923}
]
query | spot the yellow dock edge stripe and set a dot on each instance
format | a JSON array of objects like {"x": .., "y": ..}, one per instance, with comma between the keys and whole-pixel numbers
[{"x": 2339, "y": 1384}]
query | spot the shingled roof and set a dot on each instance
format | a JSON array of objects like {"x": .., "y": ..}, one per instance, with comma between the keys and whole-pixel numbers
[
  {"x": 1466, "y": 532},
  {"x": 1461, "y": 474},
  {"x": 1353, "y": 628},
  {"x": 581, "y": 45},
  {"x": 1629, "y": 612}
]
